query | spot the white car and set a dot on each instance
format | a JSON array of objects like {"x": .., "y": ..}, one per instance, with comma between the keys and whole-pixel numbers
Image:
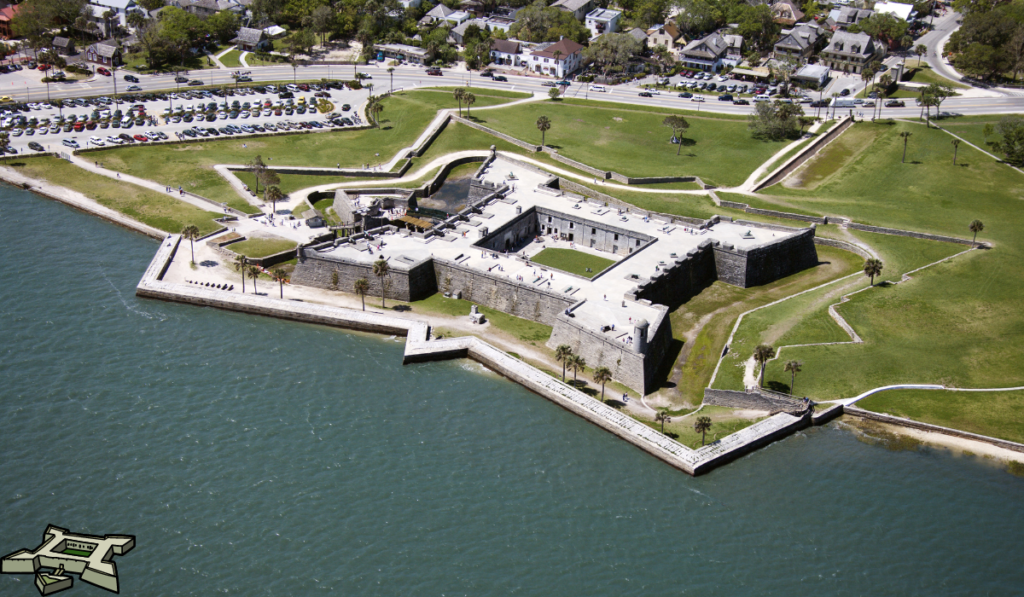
[
  {"x": 96, "y": 141},
  {"x": 723, "y": 78},
  {"x": 272, "y": 88},
  {"x": 114, "y": 140},
  {"x": 599, "y": 88},
  {"x": 292, "y": 88},
  {"x": 134, "y": 88}
]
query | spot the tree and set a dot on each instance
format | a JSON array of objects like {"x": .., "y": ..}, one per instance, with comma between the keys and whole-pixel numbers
[
  {"x": 242, "y": 265},
  {"x": 391, "y": 73},
  {"x": 373, "y": 109},
  {"x": 872, "y": 268},
  {"x": 884, "y": 27},
  {"x": 135, "y": 19},
  {"x": 459, "y": 93},
  {"x": 906, "y": 137},
  {"x": 775, "y": 120},
  {"x": 274, "y": 195},
  {"x": 381, "y": 269},
  {"x": 956, "y": 146},
  {"x": 702, "y": 425},
  {"x": 939, "y": 92},
  {"x": 553, "y": 93},
  {"x": 562, "y": 355},
  {"x": 920, "y": 50},
  {"x": 1011, "y": 145},
  {"x": 678, "y": 124},
  {"x": 762, "y": 354},
  {"x": 301, "y": 42},
  {"x": 254, "y": 273},
  {"x": 257, "y": 167},
  {"x": 543, "y": 125},
  {"x": 758, "y": 27},
  {"x": 539, "y": 22},
  {"x": 223, "y": 25},
  {"x": 269, "y": 178},
  {"x": 361, "y": 287},
  {"x": 280, "y": 276},
  {"x": 793, "y": 367},
  {"x": 602, "y": 375},
  {"x": 976, "y": 227},
  {"x": 612, "y": 51},
  {"x": 662, "y": 417},
  {"x": 577, "y": 363},
  {"x": 322, "y": 21},
  {"x": 191, "y": 234},
  {"x": 470, "y": 99}
]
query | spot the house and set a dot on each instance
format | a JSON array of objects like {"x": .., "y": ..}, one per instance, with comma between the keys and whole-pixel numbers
[
  {"x": 800, "y": 42},
  {"x": 667, "y": 35},
  {"x": 457, "y": 18},
  {"x": 639, "y": 35},
  {"x": 6, "y": 15},
  {"x": 250, "y": 40},
  {"x": 812, "y": 75},
  {"x": 602, "y": 20},
  {"x": 405, "y": 53},
  {"x": 579, "y": 8},
  {"x": 64, "y": 46},
  {"x": 849, "y": 52},
  {"x": 847, "y": 15},
  {"x": 105, "y": 52},
  {"x": 704, "y": 54},
  {"x": 559, "y": 59},
  {"x": 407, "y": 4},
  {"x": 786, "y": 12},
  {"x": 507, "y": 52},
  {"x": 437, "y": 14},
  {"x": 201, "y": 8},
  {"x": 733, "y": 49},
  {"x": 458, "y": 33},
  {"x": 903, "y": 12}
]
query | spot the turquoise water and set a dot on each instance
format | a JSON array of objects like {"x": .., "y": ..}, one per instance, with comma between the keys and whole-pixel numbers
[{"x": 257, "y": 457}]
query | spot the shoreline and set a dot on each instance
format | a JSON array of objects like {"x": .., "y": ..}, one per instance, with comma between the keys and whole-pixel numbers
[{"x": 953, "y": 445}]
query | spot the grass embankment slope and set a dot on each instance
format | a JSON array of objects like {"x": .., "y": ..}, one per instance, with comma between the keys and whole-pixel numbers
[
  {"x": 405, "y": 116},
  {"x": 257, "y": 247},
  {"x": 958, "y": 323},
  {"x": 632, "y": 140},
  {"x": 160, "y": 211},
  {"x": 574, "y": 262}
]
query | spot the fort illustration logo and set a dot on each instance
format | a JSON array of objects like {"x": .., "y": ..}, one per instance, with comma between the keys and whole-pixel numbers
[{"x": 89, "y": 556}]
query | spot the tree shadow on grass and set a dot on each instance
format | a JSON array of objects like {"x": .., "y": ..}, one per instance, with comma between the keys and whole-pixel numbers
[
  {"x": 778, "y": 386},
  {"x": 914, "y": 162},
  {"x": 552, "y": 146}
]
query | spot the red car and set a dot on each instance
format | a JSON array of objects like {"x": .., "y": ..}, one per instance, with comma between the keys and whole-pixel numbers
[
  {"x": 141, "y": 138},
  {"x": 44, "y": 67},
  {"x": 303, "y": 87},
  {"x": 103, "y": 71}
]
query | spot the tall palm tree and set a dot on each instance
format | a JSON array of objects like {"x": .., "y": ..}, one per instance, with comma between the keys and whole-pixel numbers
[
  {"x": 274, "y": 195},
  {"x": 872, "y": 268},
  {"x": 702, "y": 425},
  {"x": 920, "y": 50},
  {"x": 577, "y": 363},
  {"x": 602, "y": 375},
  {"x": 254, "y": 273},
  {"x": 662, "y": 417},
  {"x": 543, "y": 125},
  {"x": 381, "y": 269},
  {"x": 793, "y": 367},
  {"x": 242, "y": 265},
  {"x": 470, "y": 99},
  {"x": 374, "y": 107},
  {"x": 391, "y": 71},
  {"x": 280, "y": 276},
  {"x": 191, "y": 234},
  {"x": 906, "y": 137},
  {"x": 976, "y": 227},
  {"x": 459, "y": 94},
  {"x": 562, "y": 355},
  {"x": 956, "y": 147},
  {"x": 362, "y": 286},
  {"x": 762, "y": 354}
]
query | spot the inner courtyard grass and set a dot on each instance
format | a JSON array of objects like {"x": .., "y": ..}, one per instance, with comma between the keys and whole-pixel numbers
[
  {"x": 257, "y": 247},
  {"x": 160, "y": 211},
  {"x": 574, "y": 262},
  {"x": 635, "y": 143}
]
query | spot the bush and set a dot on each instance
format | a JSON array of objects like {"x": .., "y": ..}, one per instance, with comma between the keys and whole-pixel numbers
[{"x": 356, "y": 85}]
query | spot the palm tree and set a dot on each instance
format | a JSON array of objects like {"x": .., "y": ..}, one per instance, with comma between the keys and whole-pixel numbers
[
  {"x": 191, "y": 234},
  {"x": 577, "y": 363},
  {"x": 976, "y": 227},
  {"x": 280, "y": 276},
  {"x": 662, "y": 417},
  {"x": 762, "y": 354},
  {"x": 702, "y": 425},
  {"x": 602, "y": 375},
  {"x": 793, "y": 367},
  {"x": 374, "y": 107},
  {"x": 470, "y": 99},
  {"x": 362, "y": 286},
  {"x": 906, "y": 137},
  {"x": 254, "y": 273},
  {"x": 543, "y": 125},
  {"x": 562, "y": 355},
  {"x": 274, "y": 195},
  {"x": 241, "y": 265},
  {"x": 381, "y": 269},
  {"x": 391, "y": 71},
  {"x": 872, "y": 268},
  {"x": 920, "y": 50},
  {"x": 459, "y": 94},
  {"x": 956, "y": 147}
]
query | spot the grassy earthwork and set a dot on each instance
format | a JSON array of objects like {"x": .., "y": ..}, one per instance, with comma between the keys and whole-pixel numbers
[
  {"x": 523, "y": 330},
  {"x": 261, "y": 246},
  {"x": 724, "y": 421},
  {"x": 987, "y": 413},
  {"x": 574, "y": 262}
]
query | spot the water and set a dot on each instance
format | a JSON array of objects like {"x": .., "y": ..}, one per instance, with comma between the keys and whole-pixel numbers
[
  {"x": 452, "y": 197},
  {"x": 258, "y": 457}
]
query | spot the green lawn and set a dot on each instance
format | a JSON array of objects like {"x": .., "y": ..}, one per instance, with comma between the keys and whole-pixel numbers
[
  {"x": 481, "y": 92},
  {"x": 926, "y": 75},
  {"x": 972, "y": 129},
  {"x": 231, "y": 59},
  {"x": 574, "y": 262},
  {"x": 522, "y": 329},
  {"x": 634, "y": 142},
  {"x": 155, "y": 209},
  {"x": 723, "y": 422},
  {"x": 261, "y": 246},
  {"x": 955, "y": 324},
  {"x": 987, "y": 413},
  {"x": 77, "y": 552}
]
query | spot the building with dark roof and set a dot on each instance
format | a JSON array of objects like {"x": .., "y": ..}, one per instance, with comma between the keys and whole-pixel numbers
[
  {"x": 849, "y": 52},
  {"x": 250, "y": 40},
  {"x": 105, "y": 52},
  {"x": 705, "y": 54}
]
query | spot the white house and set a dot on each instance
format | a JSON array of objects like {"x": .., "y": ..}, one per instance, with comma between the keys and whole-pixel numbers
[
  {"x": 507, "y": 52},
  {"x": 905, "y": 12},
  {"x": 559, "y": 59},
  {"x": 602, "y": 20}
]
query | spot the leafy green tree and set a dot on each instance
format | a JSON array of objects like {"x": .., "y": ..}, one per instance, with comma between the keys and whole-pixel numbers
[
  {"x": 884, "y": 27},
  {"x": 301, "y": 42},
  {"x": 543, "y": 125},
  {"x": 612, "y": 51},
  {"x": 539, "y": 23},
  {"x": 381, "y": 269},
  {"x": 793, "y": 367},
  {"x": 775, "y": 120},
  {"x": 191, "y": 234},
  {"x": 678, "y": 124},
  {"x": 553, "y": 93},
  {"x": 269, "y": 178},
  {"x": 562, "y": 355},
  {"x": 762, "y": 354},
  {"x": 1011, "y": 143},
  {"x": 602, "y": 375},
  {"x": 223, "y": 25},
  {"x": 873, "y": 267},
  {"x": 702, "y": 425},
  {"x": 374, "y": 107},
  {"x": 976, "y": 227},
  {"x": 361, "y": 287},
  {"x": 273, "y": 195},
  {"x": 258, "y": 168},
  {"x": 920, "y": 50},
  {"x": 280, "y": 276},
  {"x": 662, "y": 417},
  {"x": 698, "y": 16},
  {"x": 182, "y": 31},
  {"x": 758, "y": 27},
  {"x": 322, "y": 22}
]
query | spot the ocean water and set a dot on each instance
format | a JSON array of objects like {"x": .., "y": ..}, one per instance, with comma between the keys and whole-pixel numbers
[{"x": 252, "y": 456}]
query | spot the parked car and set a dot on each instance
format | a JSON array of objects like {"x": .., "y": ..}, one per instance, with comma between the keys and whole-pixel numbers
[
  {"x": 35, "y": 146},
  {"x": 71, "y": 143},
  {"x": 102, "y": 71}
]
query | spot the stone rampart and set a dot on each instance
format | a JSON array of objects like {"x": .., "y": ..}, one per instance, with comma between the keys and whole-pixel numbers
[
  {"x": 502, "y": 136},
  {"x": 406, "y": 282},
  {"x": 436, "y": 130},
  {"x": 602, "y": 174},
  {"x": 767, "y": 262},
  {"x": 805, "y": 154},
  {"x": 908, "y": 233},
  {"x": 842, "y": 244},
  {"x": 682, "y": 279},
  {"x": 753, "y": 400}
]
